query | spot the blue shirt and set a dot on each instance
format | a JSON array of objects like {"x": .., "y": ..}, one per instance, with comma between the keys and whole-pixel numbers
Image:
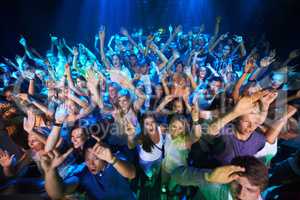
[{"x": 106, "y": 185}]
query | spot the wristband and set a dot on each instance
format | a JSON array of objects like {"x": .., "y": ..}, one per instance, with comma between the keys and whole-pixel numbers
[
  {"x": 114, "y": 161},
  {"x": 195, "y": 123}
]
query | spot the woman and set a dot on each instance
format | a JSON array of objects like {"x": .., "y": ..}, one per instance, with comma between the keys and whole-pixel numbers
[{"x": 150, "y": 148}]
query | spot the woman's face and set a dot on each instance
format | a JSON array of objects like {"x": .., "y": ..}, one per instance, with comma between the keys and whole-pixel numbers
[
  {"x": 124, "y": 103},
  {"x": 150, "y": 125},
  {"x": 112, "y": 92},
  {"x": 116, "y": 61},
  {"x": 78, "y": 138},
  {"x": 277, "y": 80},
  {"x": 72, "y": 108},
  {"x": 177, "y": 128},
  {"x": 202, "y": 72},
  {"x": 178, "y": 107},
  {"x": 158, "y": 91},
  {"x": 35, "y": 144},
  {"x": 179, "y": 68},
  {"x": 81, "y": 83}
]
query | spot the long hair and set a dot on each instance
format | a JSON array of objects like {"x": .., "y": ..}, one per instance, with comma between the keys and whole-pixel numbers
[{"x": 147, "y": 143}]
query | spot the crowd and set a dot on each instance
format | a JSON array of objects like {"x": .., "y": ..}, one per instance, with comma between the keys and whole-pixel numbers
[{"x": 169, "y": 114}]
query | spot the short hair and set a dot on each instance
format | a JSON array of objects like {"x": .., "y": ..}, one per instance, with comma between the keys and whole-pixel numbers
[{"x": 255, "y": 170}]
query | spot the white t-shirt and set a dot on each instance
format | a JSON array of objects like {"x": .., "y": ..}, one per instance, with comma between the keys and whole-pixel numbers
[
  {"x": 156, "y": 152},
  {"x": 267, "y": 153}
]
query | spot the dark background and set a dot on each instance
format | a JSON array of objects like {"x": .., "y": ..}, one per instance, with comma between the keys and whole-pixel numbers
[{"x": 79, "y": 20}]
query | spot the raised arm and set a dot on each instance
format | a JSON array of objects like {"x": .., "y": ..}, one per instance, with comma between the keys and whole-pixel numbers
[
  {"x": 102, "y": 53},
  {"x": 247, "y": 70},
  {"x": 244, "y": 106},
  {"x": 172, "y": 37},
  {"x": 162, "y": 57}
]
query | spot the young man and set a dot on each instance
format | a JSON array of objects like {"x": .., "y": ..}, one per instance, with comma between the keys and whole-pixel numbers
[
  {"x": 244, "y": 179},
  {"x": 104, "y": 176}
]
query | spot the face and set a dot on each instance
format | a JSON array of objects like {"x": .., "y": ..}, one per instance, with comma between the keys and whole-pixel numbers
[
  {"x": 72, "y": 108},
  {"x": 132, "y": 60},
  {"x": 34, "y": 143},
  {"x": 81, "y": 83},
  {"x": 277, "y": 80},
  {"x": 82, "y": 59},
  {"x": 242, "y": 189},
  {"x": 116, "y": 61},
  {"x": 247, "y": 124},
  {"x": 202, "y": 72},
  {"x": 158, "y": 91},
  {"x": 177, "y": 128},
  {"x": 215, "y": 86},
  {"x": 150, "y": 125},
  {"x": 124, "y": 103},
  {"x": 226, "y": 50},
  {"x": 112, "y": 92},
  {"x": 78, "y": 138},
  {"x": 178, "y": 107},
  {"x": 93, "y": 163},
  {"x": 179, "y": 67},
  {"x": 8, "y": 95}
]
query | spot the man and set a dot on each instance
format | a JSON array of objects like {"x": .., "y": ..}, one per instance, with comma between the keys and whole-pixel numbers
[
  {"x": 104, "y": 176},
  {"x": 244, "y": 179}
]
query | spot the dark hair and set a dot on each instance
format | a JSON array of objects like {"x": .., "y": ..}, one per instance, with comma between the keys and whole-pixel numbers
[
  {"x": 255, "y": 170},
  {"x": 89, "y": 144},
  {"x": 147, "y": 143}
]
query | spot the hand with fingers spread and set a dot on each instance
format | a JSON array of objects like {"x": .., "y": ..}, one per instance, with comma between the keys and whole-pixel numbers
[
  {"x": 52, "y": 159},
  {"x": 6, "y": 160},
  {"x": 28, "y": 123},
  {"x": 249, "y": 66},
  {"x": 129, "y": 128},
  {"x": 61, "y": 113},
  {"x": 102, "y": 152},
  {"x": 266, "y": 99},
  {"x": 247, "y": 103},
  {"x": 224, "y": 175}
]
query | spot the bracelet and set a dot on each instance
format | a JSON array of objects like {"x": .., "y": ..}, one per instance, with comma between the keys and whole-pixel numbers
[
  {"x": 195, "y": 123},
  {"x": 114, "y": 161}
]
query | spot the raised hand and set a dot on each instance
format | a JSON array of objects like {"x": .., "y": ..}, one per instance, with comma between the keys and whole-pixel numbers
[
  {"x": 54, "y": 39},
  {"x": 53, "y": 159},
  {"x": 218, "y": 19},
  {"x": 247, "y": 103},
  {"x": 176, "y": 54},
  {"x": 224, "y": 175},
  {"x": 294, "y": 54},
  {"x": 178, "y": 29},
  {"x": 238, "y": 39},
  {"x": 6, "y": 160},
  {"x": 102, "y": 152},
  {"x": 22, "y": 41},
  {"x": 249, "y": 66},
  {"x": 129, "y": 128},
  {"x": 61, "y": 113},
  {"x": 170, "y": 29},
  {"x": 75, "y": 51},
  {"x": 224, "y": 36},
  {"x": 101, "y": 32},
  {"x": 124, "y": 31},
  {"x": 29, "y": 122},
  {"x": 267, "y": 98},
  {"x": 195, "y": 112}
]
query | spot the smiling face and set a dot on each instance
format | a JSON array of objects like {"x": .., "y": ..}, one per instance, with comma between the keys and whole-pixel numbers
[
  {"x": 78, "y": 137},
  {"x": 247, "y": 124},
  {"x": 116, "y": 61},
  {"x": 177, "y": 128},
  {"x": 150, "y": 125},
  {"x": 34, "y": 143},
  {"x": 242, "y": 189},
  {"x": 124, "y": 103}
]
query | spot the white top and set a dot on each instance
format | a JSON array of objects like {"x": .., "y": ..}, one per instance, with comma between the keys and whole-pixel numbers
[
  {"x": 176, "y": 153},
  {"x": 156, "y": 152},
  {"x": 267, "y": 153}
]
